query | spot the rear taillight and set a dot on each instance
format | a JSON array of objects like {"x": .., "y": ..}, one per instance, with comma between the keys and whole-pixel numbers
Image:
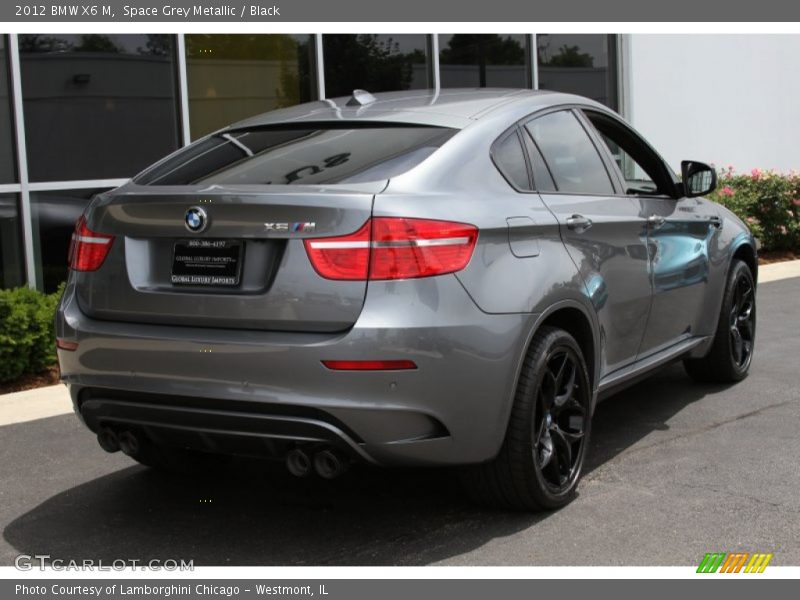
[
  {"x": 88, "y": 249},
  {"x": 394, "y": 248},
  {"x": 345, "y": 257}
]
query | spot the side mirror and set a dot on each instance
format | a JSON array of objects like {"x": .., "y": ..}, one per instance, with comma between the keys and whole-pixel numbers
[{"x": 698, "y": 178}]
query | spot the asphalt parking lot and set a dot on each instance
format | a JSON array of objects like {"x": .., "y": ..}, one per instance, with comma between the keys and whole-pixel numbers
[{"x": 676, "y": 469}]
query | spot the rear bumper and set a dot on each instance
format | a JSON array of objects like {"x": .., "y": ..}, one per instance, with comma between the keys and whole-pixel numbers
[{"x": 248, "y": 391}]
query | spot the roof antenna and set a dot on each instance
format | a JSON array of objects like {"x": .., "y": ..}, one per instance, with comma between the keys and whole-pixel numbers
[{"x": 361, "y": 98}]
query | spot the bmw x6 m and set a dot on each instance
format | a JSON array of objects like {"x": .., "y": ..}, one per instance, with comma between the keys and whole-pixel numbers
[{"x": 411, "y": 278}]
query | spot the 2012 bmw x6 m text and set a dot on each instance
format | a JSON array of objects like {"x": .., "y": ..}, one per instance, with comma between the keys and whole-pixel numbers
[{"x": 411, "y": 278}]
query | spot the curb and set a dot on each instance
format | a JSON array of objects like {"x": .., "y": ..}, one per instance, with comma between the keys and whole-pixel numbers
[{"x": 779, "y": 270}]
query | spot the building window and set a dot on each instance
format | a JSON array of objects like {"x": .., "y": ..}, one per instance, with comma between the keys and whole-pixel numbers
[
  {"x": 484, "y": 60},
  {"x": 8, "y": 173},
  {"x": 232, "y": 77},
  {"x": 11, "y": 273},
  {"x": 97, "y": 106},
  {"x": 376, "y": 63},
  {"x": 54, "y": 215},
  {"x": 583, "y": 64}
]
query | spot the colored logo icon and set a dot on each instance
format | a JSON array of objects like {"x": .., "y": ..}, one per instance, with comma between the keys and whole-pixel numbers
[{"x": 734, "y": 562}]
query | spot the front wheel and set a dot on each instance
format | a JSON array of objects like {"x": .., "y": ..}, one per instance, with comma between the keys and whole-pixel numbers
[
  {"x": 542, "y": 456},
  {"x": 732, "y": 350}
]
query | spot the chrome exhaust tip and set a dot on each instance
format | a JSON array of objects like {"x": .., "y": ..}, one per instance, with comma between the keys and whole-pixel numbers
[
  {"x": 129, "y": 443},
  {"x": 298, "y": 463},
  {"x": 329, "y": 464},
  {"x": 108, "y": 440}
]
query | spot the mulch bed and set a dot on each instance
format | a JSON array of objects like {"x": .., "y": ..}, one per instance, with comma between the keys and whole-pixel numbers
[
  {"x": 767, "y": 258},
  {"x": 29, "y": 382}
]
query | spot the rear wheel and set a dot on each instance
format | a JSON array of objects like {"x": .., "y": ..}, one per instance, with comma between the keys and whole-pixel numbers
[
  {"x": 540, "y": 462},
  {"x": 732, "y": 351}
]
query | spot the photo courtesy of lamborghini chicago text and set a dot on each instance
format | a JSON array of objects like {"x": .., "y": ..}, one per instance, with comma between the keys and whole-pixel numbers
[{"x": 349, "y": 299}]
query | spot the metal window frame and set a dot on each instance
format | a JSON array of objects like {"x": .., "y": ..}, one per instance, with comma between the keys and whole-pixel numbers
[
  {"x": 183, "y": 89},
  {"x": 319, "y": 66},
  {"x": 624, "y": 83},
  {"x": 433, "y": 58},
  {"x": 26, "y": 217}
]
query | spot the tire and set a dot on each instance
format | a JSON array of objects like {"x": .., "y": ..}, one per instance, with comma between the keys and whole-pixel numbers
[
  {"x": 529, "y": 473},
  {"x": 731, "y": 353}
]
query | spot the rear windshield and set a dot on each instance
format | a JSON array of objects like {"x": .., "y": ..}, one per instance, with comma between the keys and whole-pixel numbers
[{"x": 319, "y": 153}]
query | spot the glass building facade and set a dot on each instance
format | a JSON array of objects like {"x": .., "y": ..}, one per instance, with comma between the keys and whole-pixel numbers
[{"x": 80, "y": 114}]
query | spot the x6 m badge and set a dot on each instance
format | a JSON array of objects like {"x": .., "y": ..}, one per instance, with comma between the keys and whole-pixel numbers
[{"x": 298, "y": 227}]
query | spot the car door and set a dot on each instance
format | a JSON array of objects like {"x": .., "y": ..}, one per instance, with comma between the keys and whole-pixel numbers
[
  {"x": 603, "y": 230},
  {"x": 679, "y": 232}
]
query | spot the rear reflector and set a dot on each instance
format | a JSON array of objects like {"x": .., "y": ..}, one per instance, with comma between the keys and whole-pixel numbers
[
  {"x": 394, "y": 248},
  {"x": 66, "y": 345},
  {"x": 88, "y": 249},
  {"x": 370, "y": 365}
]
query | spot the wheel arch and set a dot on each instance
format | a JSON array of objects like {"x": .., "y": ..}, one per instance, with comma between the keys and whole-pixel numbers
[
  {"x": 742, "y": 248},
  {"x": 745, "y": 251},
  {"x": 574, "y": 317},
  {"x": 576, "y": 322}
]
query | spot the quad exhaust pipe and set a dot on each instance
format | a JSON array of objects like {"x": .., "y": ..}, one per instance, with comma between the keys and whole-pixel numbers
[
  {"x": 111, "y": 441},
  {"x": 327, "y": 463},
  {"x": 108, "y": 440},
  {"x": 129, "y": 443},
  {"x": 298, "y": 462}
]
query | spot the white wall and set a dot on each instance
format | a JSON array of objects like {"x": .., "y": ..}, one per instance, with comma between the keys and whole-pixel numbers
[{"x": 722, "y": 99}]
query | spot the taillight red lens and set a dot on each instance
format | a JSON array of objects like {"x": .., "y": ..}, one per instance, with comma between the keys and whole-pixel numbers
[
  {"x": 345, "y": 257},
  {"x": 88, "y": 249},
  {"x": 395, "y": 248},
  {"x": 407, "y": 248}
]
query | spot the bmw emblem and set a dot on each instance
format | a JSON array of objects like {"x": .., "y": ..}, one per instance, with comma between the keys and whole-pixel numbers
[{"x": 196, "y": 219}]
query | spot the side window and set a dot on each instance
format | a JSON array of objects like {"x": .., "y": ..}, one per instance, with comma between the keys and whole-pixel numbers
[
  {"x": 510, "y": 160},
  {"x": 542, "y": 180},
  {"x": 637, "y": 180},
  {"x": 642, "y": 170},
  {"x": 570, "y": 154}
]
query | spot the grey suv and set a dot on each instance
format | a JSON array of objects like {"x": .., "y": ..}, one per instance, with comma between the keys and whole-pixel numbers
[{"x": 415, "y": 278}]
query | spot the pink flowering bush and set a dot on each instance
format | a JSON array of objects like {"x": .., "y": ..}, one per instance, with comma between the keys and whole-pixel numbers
[{"x": 767, "y": 201}]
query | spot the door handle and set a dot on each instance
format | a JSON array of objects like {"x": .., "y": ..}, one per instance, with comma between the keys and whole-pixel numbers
[
  {"x": 578, "y": 223},
  {"x": 655, "y": 221},
  {"x": 715, "y": 221}
]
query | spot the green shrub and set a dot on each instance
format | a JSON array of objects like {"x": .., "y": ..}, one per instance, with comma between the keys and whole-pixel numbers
[
  {"x": 27, "y": 336},
  {"x": 767, "y": 201}
]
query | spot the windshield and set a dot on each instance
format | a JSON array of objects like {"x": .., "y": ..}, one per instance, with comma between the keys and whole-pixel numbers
[{"x": 318, "y": 153}]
